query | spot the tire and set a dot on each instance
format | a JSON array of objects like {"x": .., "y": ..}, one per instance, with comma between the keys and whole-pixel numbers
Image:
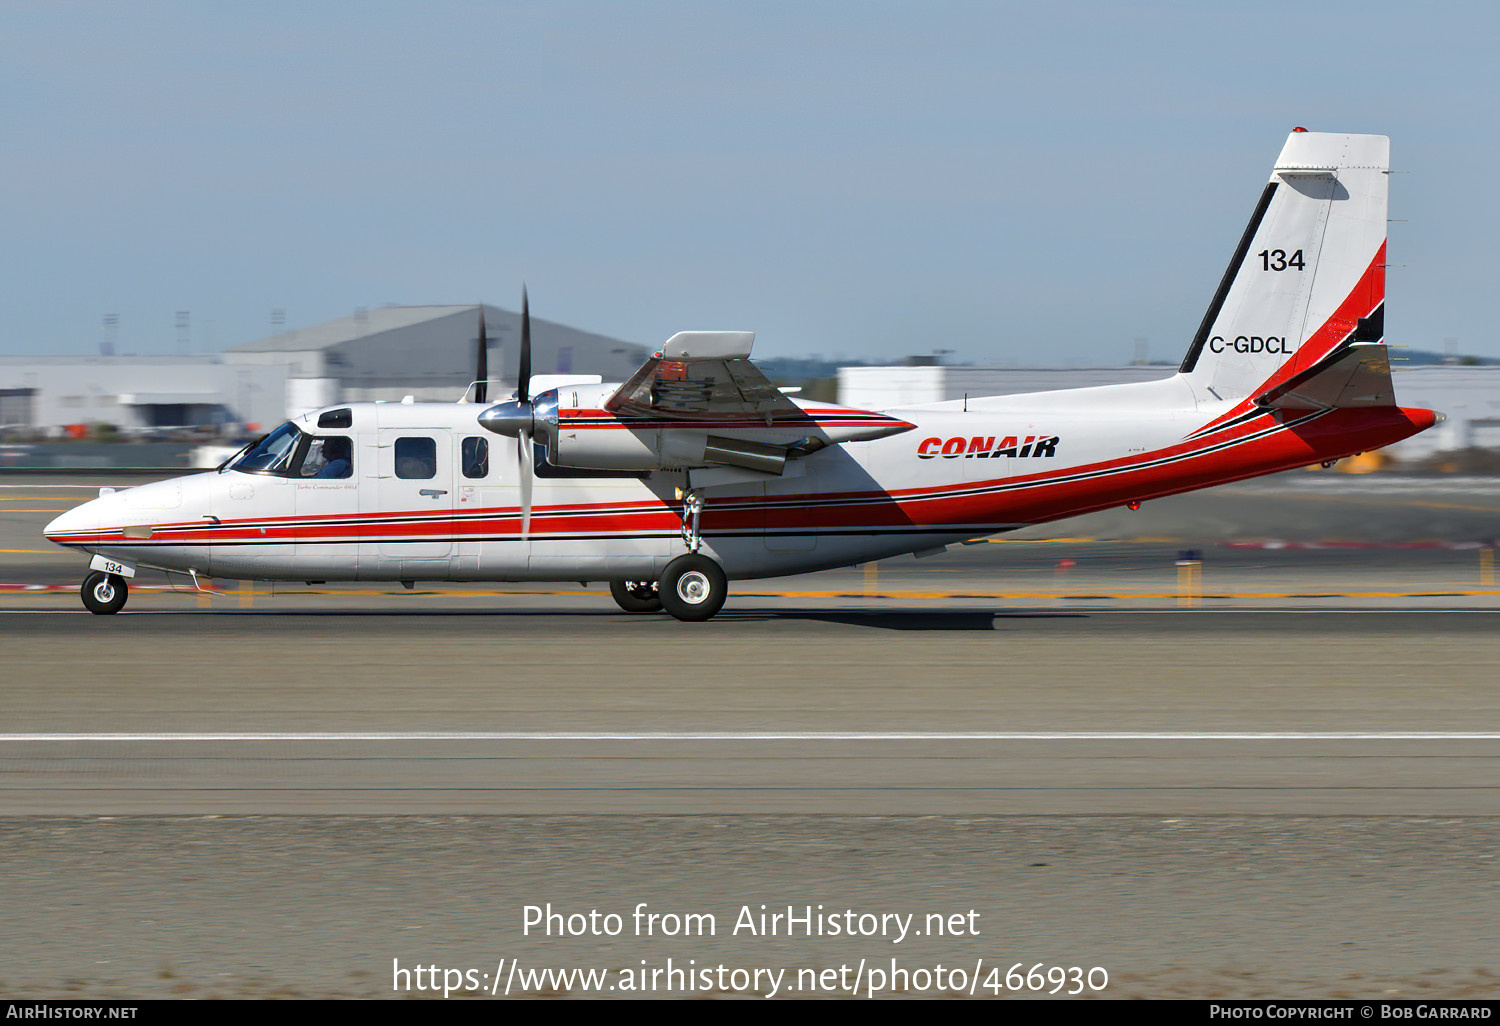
[
  {"x": 104, "y": 594},
  {"x": 693, "y": 588},
  {"x": 636, "y": 596}
]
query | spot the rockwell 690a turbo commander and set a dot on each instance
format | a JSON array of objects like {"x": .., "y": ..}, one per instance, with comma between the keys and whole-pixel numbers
[{"x": 697, "y": 471}]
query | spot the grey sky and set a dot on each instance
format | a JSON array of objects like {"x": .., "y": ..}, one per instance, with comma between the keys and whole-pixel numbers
[{"x": 1019, "y": 183}]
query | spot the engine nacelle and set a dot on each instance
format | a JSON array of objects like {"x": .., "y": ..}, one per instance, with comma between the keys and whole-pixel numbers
[
  {"x": 577, "y": 431},
  {"x": 626, "y": 448}
]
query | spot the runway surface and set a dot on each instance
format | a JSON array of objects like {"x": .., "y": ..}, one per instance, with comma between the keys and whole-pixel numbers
[
  {"x": 1279, "y": 780},
  {"x": 581, "y": 700}
]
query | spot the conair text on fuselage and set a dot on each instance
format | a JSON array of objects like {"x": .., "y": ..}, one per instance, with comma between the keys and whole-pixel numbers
[{"x": 985, "y": 447}]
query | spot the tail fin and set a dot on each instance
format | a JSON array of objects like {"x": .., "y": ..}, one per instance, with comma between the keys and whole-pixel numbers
[{"x": 1308, "y": 277}]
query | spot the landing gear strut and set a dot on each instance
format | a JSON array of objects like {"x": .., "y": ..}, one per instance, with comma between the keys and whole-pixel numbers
[{"x": 103, "y": 593}]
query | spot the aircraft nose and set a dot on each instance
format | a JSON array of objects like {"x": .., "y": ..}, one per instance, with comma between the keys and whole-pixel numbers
[{"x": 75, "y": 520}]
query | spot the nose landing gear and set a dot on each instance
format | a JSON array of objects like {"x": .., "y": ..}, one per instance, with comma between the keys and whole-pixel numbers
[{"x": 103, "y": 593}]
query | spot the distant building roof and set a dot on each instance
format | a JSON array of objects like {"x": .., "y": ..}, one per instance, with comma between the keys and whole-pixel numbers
[
  {"x": 355, "y": 326},
  {"x": 433, "y": 346}
]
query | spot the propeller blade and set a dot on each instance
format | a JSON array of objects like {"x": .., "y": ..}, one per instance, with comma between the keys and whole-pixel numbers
[
  {"x": 524, "y": 472},
  {"x": 482, "y": 362},
  {"x": 523, "y": 387}
]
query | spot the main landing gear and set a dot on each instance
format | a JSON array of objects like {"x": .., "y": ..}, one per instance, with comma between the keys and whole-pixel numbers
[
  {"x": 103, "y": 593},
  {"x": 636, "y": 596},
  {"x": 691, "y": 588}
]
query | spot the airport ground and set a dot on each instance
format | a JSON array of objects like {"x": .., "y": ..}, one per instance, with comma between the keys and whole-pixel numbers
[{"x": 1270, "y": 775}]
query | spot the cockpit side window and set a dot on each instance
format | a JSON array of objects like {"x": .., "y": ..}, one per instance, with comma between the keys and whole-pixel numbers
[{"x": 328, "y": 457}]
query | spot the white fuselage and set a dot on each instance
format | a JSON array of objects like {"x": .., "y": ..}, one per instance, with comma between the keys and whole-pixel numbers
[{"x": 431, "y": 496}]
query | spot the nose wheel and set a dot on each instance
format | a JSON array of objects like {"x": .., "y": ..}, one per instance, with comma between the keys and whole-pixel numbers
[
  {"x": 103, "y": 593},
  {"x": 693, "y": 587}
]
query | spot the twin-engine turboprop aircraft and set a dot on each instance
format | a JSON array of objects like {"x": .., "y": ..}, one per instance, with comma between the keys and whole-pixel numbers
[{"x": 698, "y": 471}]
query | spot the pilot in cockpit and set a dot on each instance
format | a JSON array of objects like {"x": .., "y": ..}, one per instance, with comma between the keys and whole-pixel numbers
[{"x": 328, "y": 458}]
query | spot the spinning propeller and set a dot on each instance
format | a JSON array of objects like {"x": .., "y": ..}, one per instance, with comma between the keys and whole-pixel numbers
[
  {"x": 482, "y": 362},
  {"x": 515, "y": 418}
]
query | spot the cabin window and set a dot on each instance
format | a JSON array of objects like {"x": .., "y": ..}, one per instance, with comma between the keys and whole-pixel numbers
[
  {"x": 416, "y": 459},
  {"x": 475, "y": 457},
  {"x": 336, "y": 419}
]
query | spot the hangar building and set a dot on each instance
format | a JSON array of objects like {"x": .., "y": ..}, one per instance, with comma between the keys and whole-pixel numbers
[
  {"x": 426, "y": 352},
  {"x": 423, "y": 351}
]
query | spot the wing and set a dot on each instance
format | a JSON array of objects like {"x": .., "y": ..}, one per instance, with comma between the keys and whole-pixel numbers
[
  {"x": 700, "y": 403},
  {"x": 705, "y": 377}
]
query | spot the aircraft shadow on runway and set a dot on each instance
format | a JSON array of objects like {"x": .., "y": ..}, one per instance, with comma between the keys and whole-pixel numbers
[
  {"x": 909, "y": 620},
  {"x": 904, "y": 620}
]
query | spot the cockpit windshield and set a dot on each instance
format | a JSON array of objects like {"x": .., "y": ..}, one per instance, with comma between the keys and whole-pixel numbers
[
  {"x": 288, "y": 452},
  {"x": 273, "y": 454}
]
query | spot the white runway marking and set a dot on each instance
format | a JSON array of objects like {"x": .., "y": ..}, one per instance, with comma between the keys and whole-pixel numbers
[{"x": 771, "y": 735}]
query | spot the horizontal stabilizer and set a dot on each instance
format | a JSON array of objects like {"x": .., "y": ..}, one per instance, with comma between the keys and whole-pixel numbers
[{"x": 1357, "y": 375}]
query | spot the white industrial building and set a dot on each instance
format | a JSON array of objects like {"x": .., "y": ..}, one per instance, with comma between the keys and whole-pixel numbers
[
  {"x": 45, "y": 394},
  {"x": 1468, "y": 396}
]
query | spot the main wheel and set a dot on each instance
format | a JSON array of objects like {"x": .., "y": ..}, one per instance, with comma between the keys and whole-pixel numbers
[
  {"x": 693, "y": 587},
  {"x": 103, "y": 594},
  {"x": 636, "y": 596}
]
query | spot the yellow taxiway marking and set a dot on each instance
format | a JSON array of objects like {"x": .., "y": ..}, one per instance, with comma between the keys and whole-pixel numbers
[
  {"x": 1078, "y": 596},
  {"x": 1089, "y": 594}
]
